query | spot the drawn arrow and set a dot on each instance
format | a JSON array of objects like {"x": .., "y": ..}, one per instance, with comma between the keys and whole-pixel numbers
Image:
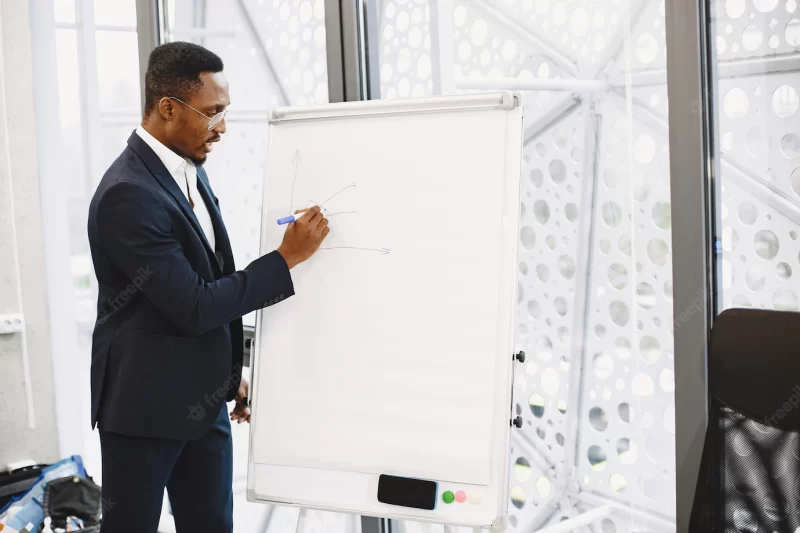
[
  {"x": 297, "y": 160},
  {"x": 383, "y": 251}
]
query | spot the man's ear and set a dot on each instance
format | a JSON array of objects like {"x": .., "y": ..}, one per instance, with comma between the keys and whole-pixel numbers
[{"x": 165, "y": 108}]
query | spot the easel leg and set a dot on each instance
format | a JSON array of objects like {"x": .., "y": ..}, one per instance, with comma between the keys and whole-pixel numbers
[{"x": 301, "y": 521}]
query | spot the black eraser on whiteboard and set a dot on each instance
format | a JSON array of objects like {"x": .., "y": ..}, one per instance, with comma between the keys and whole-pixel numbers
[{"x": 407, "y": 492}]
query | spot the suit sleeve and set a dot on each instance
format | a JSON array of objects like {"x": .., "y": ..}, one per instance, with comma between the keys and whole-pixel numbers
[{"x": 135, "y": 231}]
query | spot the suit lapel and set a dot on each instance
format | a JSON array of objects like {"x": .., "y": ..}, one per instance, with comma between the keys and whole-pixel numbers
[
  {"x": 223, "y": 242},
  {"x": 159, "y": 171}
]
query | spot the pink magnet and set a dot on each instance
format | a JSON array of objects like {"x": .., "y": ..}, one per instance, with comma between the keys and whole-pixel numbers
[{"x": 461, "y": 496}]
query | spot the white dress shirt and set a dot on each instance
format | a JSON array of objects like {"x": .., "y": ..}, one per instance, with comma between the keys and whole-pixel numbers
[{"x": 182, "y": 171}]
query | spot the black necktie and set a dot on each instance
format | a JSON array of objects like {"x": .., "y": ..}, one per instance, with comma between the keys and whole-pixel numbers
[{"x": 188, "y": 191}]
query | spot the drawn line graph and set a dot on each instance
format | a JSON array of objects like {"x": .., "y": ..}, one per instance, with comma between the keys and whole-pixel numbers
[
  {"x": 296, "y": 161},
  {"x": 338, "y": 193}
]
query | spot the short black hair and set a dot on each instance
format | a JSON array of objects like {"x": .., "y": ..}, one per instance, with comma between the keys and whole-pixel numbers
[{"x": 174, "y": 70}]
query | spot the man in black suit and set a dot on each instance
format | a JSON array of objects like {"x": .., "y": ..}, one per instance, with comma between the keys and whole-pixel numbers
[{"x": 167, "y": 345}]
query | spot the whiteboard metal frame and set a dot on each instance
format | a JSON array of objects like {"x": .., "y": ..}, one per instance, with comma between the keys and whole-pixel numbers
[
  {"x": 512, "y": 184},
  {"x": 497, "y": 100}
]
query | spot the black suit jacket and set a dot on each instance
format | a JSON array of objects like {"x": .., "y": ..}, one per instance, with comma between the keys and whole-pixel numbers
[{"x": 167, "y": 344}]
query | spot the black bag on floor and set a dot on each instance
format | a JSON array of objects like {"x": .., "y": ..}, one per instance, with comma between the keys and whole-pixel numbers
[{"x": 73, "y": 496}]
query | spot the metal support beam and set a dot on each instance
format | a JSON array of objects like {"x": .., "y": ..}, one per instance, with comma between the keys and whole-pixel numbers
[
  {"x": 759, "y": 67},
  {"x": 89, "y": 97},
  {"x": 333, "y": 48},
  {"x": 537, "y": 457},
  {"x": 646, "y": 519},
  {"x": 149, "y": 25},
  {"x": 372, "y": 41},
  {"x": 442, "y": 46},
  {"x": 199, "y": 18},
  {"x": 371, "y": 524},
  {"x": 353, "y": 50},
  {"x": 265, "y": 521},
  {"x": 533, "y": 84},
  {"x": 589, "y": 178},
  {"x": 353, "y": 46},
  {"x": 556, "y": 114},
  {"x": 762, "y": 190},
  {"x": 642, "y": 78},
  {"x": 571, "y": 524},
  {"x": 763, "y": 66},
  {"x": 693, "y": 161},
  {"x": 547, "y": 514}
]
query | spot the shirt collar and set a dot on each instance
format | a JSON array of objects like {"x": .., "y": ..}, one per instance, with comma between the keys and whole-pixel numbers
[{"x": 171, "y": 160}]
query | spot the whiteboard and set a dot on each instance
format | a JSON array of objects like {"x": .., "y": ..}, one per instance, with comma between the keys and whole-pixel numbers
[{"x": 394, "y": 356}]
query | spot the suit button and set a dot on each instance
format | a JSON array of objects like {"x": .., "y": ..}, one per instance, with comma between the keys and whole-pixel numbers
[{"x": 265, "y": 304}]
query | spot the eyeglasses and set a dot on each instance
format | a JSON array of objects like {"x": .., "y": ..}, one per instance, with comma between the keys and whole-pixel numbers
[{"x": 213, "y": 121}]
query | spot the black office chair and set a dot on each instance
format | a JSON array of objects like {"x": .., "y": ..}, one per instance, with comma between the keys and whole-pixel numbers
[{"x": 749, "y": 478}]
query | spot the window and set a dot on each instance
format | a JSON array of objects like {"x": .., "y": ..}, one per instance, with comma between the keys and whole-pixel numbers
[
  {"x": 97, "y": 74},
  {"x": 595, "y": 292},
  {"x": 274, "y": 55},
  {"x": 756, "y": 131},
  {"x": 98, "y": 81}
]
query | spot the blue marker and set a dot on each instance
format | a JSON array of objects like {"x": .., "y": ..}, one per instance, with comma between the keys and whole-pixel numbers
[
  {"x": 291, "y": 218},
  {"x": 294, "y": 218}
]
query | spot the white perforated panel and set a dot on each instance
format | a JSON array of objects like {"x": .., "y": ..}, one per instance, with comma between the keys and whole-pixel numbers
[
  {"x": 760, "y": 191},
  {"x": 627, "y": 405},
  {"x": 548, "y": 275},
  {"x": 645, "y": 47},
  {"x": 755, "y": 28},
  {"x": 406, "y": 43},
  {"x": 607, "y": 322},
  {"x": 760, "y": 253},
  {"x": 579, "y": 29},
  {"x": 484, "y": 48},
  {"x": 546, "y": 312},
  {"x": 757, "y": 125},
  {"x": 292, "y": 32}
]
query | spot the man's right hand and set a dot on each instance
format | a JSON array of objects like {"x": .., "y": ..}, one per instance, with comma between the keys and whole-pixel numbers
[{"x": 303, "y": 237}]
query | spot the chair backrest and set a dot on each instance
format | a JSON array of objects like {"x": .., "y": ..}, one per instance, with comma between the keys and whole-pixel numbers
[{"x": 750, "y": 473}]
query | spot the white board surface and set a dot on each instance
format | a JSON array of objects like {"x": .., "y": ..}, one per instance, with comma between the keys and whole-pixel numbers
[{"x": 394, "y": 355}]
